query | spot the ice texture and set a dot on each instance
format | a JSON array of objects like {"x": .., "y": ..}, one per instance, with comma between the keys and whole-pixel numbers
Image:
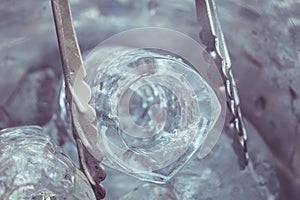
[
  {"x": 263, "y": 40},
  {"x": 32, "y": 167},
  {"x": 153, "y": 110},
  {"x": 204, "y": 178},
  {"x": 217, "y": 176},
  {"x": 150, "y": 192}
]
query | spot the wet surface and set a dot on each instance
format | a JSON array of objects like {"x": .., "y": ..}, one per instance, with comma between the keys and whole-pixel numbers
[{"x": 264, "y": 43}]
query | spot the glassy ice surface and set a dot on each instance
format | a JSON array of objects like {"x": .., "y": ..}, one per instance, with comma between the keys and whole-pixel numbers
[
  {"x": 153, "y": 110},
  {"x": 217, "y": 176},
  {"x": 31, "y": 167},
  {"x": 150, "y": 192},
  {"x": 263, "y": 39}
]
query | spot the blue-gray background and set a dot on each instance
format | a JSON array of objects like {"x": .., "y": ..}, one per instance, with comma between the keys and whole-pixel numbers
[{"x": 264, "y": 42}]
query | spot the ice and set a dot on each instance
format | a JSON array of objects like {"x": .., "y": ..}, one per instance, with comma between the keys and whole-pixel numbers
[
  {"x": 150, "y": 192},
  {"x": 32, "y": 167},
  {"x": 264, "y": 52},
  {"x": 205, "y": 178},
  {"x": 154, "y": 111},
  {"x": 217, "y": 176}
]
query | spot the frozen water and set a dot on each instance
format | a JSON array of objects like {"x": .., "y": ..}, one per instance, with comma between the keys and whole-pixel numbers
[
  {"x": 205, "y": 178},
  {"x": 153, "y": 110},
  {"x": 217, "y": 176},
  {"x": 150, "y": 192},
  {"x": 31, "y": 167},
  {"x": 263, "y": 40}
]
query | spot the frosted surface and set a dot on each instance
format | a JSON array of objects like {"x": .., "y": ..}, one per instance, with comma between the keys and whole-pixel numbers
[{"x": 32, "y": 168}]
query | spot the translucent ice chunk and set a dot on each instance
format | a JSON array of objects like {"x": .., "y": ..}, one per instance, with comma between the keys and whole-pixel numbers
[
  {"x": 218, "y": 176},
  {"x": 32, "y": 168},
  {"x": 154, "y": 110},
  {"x": 150, "y": 192}
]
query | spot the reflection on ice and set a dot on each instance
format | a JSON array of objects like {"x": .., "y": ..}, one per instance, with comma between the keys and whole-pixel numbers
[
  {"x": 153, "y": 109},
  {"x": 32, "y": 168}
]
